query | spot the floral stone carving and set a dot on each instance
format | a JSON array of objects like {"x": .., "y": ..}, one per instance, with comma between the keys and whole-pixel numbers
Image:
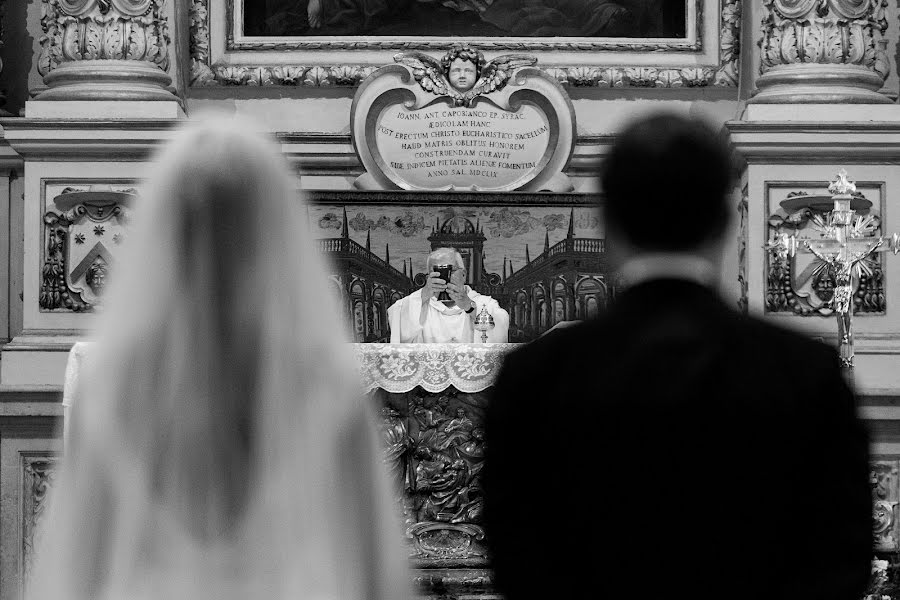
[
  {"x": 817, "y": 51},
  {"x": 104, "y": 50}
]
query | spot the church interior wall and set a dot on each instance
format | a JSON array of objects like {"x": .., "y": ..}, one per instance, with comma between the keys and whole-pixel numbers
[{"x": 313, "y": 128}]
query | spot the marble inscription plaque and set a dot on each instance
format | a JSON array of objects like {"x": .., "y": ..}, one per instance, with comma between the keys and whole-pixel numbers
[
  {"x": 495, "y": 125},
  {"x": 441, "y": 146}
]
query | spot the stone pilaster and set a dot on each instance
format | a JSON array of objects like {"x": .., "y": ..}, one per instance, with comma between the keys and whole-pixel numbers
[
  {"x": 822, "y": 51},
  {"x": 105, "y": 50}
]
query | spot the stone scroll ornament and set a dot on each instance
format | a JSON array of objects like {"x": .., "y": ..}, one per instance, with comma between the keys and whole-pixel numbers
[
  {"x": 831, "y": 51},
  {"x": 462, "y": 122},
  {"x": 104, "y": 50}
]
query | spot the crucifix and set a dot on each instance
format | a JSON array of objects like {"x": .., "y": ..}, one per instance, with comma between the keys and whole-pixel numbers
[{"x": 847, "y": 240}]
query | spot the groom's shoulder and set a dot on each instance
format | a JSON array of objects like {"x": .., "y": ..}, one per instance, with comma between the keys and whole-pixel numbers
[{"x": 556, "y": 345}]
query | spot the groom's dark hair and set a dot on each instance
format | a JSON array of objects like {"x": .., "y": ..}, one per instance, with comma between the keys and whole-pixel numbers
[{"x": 666, "y": 183}]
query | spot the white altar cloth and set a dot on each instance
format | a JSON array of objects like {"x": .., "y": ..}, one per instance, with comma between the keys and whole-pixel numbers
[{"x": 392, "y": 367}]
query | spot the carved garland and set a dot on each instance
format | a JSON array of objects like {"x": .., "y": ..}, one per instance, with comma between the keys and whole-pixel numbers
[
  {"x": 203, "y": 73},
  {"x": 76, "y": 30}
]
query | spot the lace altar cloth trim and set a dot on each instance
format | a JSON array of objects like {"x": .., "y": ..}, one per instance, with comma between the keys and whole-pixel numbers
[
  {"x": 400, "y": 368},
  {"x": 392, "y": 367}
]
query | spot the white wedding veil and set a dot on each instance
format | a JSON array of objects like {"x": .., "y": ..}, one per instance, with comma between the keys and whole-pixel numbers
[{"x": 219, "y": 446}]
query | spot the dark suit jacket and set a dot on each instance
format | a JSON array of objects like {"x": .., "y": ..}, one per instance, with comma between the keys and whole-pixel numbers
[{"x": 676, "y": 449}]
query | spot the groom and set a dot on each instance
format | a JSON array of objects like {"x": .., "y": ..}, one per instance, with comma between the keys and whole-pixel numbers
[{"x": 685, "y": 450}]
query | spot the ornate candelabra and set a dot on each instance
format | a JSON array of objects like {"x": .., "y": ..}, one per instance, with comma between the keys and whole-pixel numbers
[{"x": 847, "y": 241}]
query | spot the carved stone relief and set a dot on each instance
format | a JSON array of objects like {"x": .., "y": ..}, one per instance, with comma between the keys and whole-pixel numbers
[
  {"x": 803, "y": 284},
  {"x": 823, "y": 51},
  {"x": 38, "y": 474},
  {"x": 885, "y": 496},
  {"x": 81, "y": 235},
  {"x": 104, "y": 49},
  {"x": 434, "y": 451}
]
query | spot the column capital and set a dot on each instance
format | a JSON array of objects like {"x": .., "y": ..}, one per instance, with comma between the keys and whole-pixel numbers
[
  {"x": 823, "y": 51},
  {"x": 104, "y": 50}
]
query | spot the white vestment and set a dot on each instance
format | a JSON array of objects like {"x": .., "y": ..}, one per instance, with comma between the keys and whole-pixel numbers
[{"x": 438, "y": 324}]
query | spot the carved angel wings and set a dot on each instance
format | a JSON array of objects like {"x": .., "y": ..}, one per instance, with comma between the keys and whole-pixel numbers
[{"x": 430, "y": 75}]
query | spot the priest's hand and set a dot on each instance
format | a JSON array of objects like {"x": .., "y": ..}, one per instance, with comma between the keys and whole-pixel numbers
[
  {"x": 458, "y": 293},
  {"x": 434, "y": 285}
]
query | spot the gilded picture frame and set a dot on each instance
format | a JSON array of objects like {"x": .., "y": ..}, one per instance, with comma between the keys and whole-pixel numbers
[{"x": 707, "y": 55}]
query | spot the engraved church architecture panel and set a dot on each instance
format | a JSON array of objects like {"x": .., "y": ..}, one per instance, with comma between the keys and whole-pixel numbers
[{"x": 543, "y": 264}]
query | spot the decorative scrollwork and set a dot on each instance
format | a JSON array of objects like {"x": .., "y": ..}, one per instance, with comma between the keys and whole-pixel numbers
[
  {"x": 76, "y": 30},
  {"x": 725, "y": 73}
]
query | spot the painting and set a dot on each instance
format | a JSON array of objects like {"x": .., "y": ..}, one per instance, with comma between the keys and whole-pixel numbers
[
  {"x": 467, "y": 18},
  {"x": 583, "y": 43},
  {"x": 544, "y": 264}
]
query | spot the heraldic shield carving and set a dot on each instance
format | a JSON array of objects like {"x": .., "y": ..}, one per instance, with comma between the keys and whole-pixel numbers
[
  {"x": 803, "y": 283},
  {"x": 80, "y": 238},
  {"x": 462, "y": 122}
]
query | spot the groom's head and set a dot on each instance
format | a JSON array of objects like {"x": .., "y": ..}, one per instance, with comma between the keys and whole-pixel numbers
[{"x": 666, "y": 183}]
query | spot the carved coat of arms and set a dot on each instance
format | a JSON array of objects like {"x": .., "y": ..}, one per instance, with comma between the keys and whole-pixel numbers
[{"x": 80, "y": 240}]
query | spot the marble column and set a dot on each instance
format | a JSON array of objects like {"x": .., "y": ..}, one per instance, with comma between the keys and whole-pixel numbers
[
  {"x": 822, "y": 51},
  {"x": 105, "y": 50}
]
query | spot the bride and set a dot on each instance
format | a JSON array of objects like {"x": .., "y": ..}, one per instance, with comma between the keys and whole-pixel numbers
[{"x": 218, "y": 448}]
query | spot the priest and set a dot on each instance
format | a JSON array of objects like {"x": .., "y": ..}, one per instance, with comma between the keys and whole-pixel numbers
[{"x": 422, "y": 318}]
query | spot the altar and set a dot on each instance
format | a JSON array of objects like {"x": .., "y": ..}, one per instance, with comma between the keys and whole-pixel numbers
[{"x": 429, "y": 401}]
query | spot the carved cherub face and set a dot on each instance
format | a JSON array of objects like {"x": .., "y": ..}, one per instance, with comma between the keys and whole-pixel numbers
[{"x": 461, "y": 75}]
